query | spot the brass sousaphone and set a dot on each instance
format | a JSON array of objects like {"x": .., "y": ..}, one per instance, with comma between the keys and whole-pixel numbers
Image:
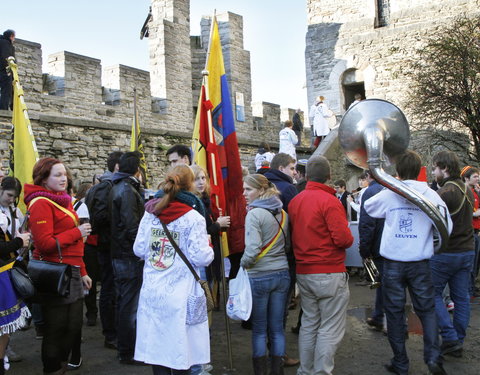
[{"x": 371, "y": 134}]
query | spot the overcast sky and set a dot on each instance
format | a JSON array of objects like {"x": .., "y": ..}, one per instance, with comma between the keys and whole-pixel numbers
[{"x": 274, "y": 32}]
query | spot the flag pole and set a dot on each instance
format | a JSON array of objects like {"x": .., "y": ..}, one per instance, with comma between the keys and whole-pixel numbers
[
  {"x": 222, "y": 258},
  {"x": 135, "y": 131}
]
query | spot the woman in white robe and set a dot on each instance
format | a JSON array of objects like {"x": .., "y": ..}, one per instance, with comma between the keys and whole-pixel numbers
[
  {"x": 320, "y": 114},
  {"x": 164, "y": 339}
]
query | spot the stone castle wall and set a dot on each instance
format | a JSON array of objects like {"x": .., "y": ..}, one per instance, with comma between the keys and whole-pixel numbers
[{"x": 345, "y": 45}]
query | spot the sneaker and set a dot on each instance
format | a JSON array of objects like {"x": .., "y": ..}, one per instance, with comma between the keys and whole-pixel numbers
[
  {"x": 362, "y": 283},
  {"x": 289, "y": 362},
  {"x": 207, "y": 367},
  {"x": 39, "y": 332},
  {"x": 374, "y": 324},
  {"x": 450, "y": 306},
  {"x": 110, "y": 344},
  {"x": 390, "y": 368},
  {"x": 453, "y": 348},
  {"x": 74, "y": 365},
  {"x": 12, "y": 356},
  {"x": 131, "y": 361},
  {"x": 91, "y": 321},
  {"x": 435, "y": 368}
]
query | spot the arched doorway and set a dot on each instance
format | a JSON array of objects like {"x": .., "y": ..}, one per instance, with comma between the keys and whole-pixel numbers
[{"x": 352, "y": 83}]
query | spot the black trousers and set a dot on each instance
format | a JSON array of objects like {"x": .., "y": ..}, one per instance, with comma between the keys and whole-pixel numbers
[
  {"x": 63, "y": 323},
  {"x": 90, "y": 257},
  {"x": 6, "y": 90}
]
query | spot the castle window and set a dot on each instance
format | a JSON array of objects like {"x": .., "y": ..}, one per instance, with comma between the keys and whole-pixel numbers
[{"x": 382, "y": 13}]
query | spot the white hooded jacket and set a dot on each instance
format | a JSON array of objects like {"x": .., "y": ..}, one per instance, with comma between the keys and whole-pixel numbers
[
  {"x": 408, "y": 232},
  {"x": 163, "y": 337}
]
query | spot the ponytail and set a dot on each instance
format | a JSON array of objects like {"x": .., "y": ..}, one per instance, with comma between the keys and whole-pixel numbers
[{"x": 180, "y": 178}]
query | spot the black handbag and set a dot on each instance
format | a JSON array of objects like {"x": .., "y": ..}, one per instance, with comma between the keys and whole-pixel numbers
[
  {"x": 51, "y": 278},
  {"x": 21, "y": 282}
]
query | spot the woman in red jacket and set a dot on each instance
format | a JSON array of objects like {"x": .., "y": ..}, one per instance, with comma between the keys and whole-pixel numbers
[{"x": 52, "y": 219}]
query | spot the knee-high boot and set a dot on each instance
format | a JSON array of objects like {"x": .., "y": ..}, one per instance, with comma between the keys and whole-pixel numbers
[
  {"x": 260, "y": 365},
  {"x": 276, "y": 365}
]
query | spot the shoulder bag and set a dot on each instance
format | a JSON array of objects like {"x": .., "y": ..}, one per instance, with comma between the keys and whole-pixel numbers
[
  {"x": 51, "y": 278},
  {"x": 203, "y": 283}
]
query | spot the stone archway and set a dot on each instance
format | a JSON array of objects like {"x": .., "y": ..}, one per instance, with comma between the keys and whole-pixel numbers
[
  {"x": 336, "y": 81},
  {"x": 353, "y": 83}
]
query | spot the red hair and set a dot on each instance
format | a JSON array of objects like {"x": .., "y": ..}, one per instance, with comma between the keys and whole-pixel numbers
[
  {"x": 179, "y": 178},
  {"x": 42, "y": 169}
]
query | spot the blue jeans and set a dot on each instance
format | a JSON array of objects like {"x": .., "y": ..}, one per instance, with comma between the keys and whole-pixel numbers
[
  {"x": 269, "y": 294},
  {"x": 416, "y": 276},
  {"x": 453, "y": 269},
  {"x": 128, "y": 274},
  {"x": 475, "y": 264}
]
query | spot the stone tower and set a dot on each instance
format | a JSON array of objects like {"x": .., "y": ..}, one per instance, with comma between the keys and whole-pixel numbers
[
  {"x": 362, "y": 46},
  {"x": 170, "y": 60}
]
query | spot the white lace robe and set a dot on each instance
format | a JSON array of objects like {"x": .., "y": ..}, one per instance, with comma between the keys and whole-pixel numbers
[{"x": 163, "y": 337}]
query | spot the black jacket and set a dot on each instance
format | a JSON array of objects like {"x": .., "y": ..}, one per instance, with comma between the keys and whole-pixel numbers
[
  {"x": 6, "y": 50},
  {"x": 126, "y": 207},
  {"x": 97, "y": 203},
  {"x": 284, "y": 184},
  {"x": 370, "y": 229},
  {"x": 297, "y": 122}
]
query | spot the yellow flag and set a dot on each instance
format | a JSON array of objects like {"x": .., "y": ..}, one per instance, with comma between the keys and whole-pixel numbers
[
  {"x": 136, "y": 142},
  {"x": 25, "y": 153}
]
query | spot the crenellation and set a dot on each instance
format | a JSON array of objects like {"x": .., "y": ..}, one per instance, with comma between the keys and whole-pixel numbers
[{"x": 81, "y": 112}]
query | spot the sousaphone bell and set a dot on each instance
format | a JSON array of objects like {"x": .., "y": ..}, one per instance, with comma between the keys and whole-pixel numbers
[{"x": 371, "y": 134}]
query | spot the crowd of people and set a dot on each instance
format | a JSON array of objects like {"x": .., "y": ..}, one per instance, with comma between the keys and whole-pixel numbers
[{"x": 296, "y": 235}]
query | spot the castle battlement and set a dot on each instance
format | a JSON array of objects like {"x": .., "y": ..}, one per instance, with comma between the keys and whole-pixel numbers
[{"x": 80, "y": 110}]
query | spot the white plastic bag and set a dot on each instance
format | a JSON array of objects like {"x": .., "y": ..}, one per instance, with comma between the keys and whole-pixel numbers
[{"x": 239, "y": 304}]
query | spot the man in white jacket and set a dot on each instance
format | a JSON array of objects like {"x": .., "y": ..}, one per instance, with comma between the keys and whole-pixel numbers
[
  {"x": 407, "y": 245},
  {"x": 288, "y": 140}
]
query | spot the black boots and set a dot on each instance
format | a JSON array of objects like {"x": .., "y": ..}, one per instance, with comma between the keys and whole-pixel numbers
[
  {"x": 276, "y": 365},
  {"x": 2, "y": 368},
  {"x": 260, "y": 365}
]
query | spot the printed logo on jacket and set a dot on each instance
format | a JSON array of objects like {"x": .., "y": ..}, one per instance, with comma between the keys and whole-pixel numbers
[{"x": 162, "y": 253}]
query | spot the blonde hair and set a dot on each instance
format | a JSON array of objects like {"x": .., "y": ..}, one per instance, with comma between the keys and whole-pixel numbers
[
  {"x": 260, "y": 182},
  {"x": 196, "y": 171},
  {"x": 180, "y": 178}
]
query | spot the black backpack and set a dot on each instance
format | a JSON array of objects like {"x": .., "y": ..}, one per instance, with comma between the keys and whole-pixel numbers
[{"x": 97, "y": 203}]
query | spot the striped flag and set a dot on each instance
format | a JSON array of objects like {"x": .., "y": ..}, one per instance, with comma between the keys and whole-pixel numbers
[
  {"x": 23, "y": 149},
  {"x": 223, "y": 124}
]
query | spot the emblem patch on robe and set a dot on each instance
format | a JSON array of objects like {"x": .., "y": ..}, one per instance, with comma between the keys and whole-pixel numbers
[{"x": 162, "y": 253}]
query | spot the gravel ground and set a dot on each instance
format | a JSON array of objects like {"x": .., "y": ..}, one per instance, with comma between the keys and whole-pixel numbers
[{"x": 362, "y": 351}]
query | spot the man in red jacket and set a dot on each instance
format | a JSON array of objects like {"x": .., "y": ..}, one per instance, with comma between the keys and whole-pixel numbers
[{"x": 320, "y": 235}]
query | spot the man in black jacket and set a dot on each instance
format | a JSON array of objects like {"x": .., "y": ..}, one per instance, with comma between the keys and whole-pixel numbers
[
  {"x": 6, "y": 50},
  {"x": 452, "y": 267},
  {"x": 126, "y": 211},
  {"x": 370, "y": 232},
  {"x": 298, "y": 126},
  {"x": 97, "y": 203},
  {"x": 281, "y": 174}
]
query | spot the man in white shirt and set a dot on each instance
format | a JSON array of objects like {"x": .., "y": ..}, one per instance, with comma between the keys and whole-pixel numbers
[
  {"x": 288, "y": 140},
  {"x": 407, "y": 246}
]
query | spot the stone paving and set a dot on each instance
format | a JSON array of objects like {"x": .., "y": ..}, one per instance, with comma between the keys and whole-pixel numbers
[{"x": 363, "y": 351}]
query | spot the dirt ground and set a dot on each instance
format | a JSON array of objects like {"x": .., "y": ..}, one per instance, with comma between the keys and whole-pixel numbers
[{"x": 363, "y": 351}]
